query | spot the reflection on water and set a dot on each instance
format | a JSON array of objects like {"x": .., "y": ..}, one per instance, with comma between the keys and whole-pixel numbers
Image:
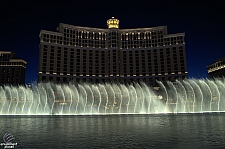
[{"x": 117, "y": 131}]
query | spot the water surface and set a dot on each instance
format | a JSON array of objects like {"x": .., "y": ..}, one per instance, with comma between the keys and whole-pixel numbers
[{"x": 117, "y": 131}]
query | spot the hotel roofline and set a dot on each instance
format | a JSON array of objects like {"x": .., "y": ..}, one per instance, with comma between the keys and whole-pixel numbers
[
  {"x": 217, "y": 61},
  {"x": 6, "y": 52},
  {"x": 148, "y": 28},
  {"x": 62, "y": 25},
  {"x": 17, "y": 60}
]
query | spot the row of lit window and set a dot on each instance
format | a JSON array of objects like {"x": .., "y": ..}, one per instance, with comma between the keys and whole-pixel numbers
[
  {"x": 128, "y": 46},
  {"x": 116, "y": 74},
  {"x": 66, "y": 50},
  {"x": 91, "y": 67},
  {"x": 103, "y": 35},
  {"x": 86, "y": 32},
  {"x": 126, "y": 59},
  {"x": 123, "y": 39},
  {"x": 138, "y": 53}
]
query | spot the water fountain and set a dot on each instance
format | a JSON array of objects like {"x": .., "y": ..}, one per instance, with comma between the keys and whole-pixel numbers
[{"x": 186, "y": 96}]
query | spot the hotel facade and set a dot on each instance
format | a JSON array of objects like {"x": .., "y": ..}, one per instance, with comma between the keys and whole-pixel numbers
[
  {"x": 12, "y": 70},
  {"x": 217, "y": 69},
  {"x": 123, "y": 55}
]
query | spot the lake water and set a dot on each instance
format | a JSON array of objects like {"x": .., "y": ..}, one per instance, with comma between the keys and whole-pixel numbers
[{"x": 116, "y": 131}]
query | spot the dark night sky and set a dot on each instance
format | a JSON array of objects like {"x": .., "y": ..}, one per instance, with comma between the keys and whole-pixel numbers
[{"x": 202, "y": 21}]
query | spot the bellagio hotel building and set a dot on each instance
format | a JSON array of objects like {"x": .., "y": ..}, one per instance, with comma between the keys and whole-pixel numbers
[{"x": 76, "y": 53}]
